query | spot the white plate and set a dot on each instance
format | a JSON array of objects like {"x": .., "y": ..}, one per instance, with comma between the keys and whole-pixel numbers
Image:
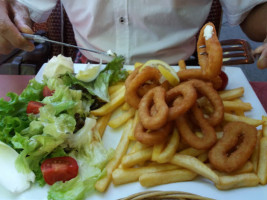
[{"x": 199, "y": 186}]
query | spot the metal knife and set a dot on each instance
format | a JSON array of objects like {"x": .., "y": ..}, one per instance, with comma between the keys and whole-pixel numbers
[{"x": 41, "y": 39}]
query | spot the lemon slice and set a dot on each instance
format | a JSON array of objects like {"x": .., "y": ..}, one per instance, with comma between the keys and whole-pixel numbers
[
  {"x": 165, "y": 69},
  {"x": 89, "y": 74},
  {"x": 138, "y": 64}
]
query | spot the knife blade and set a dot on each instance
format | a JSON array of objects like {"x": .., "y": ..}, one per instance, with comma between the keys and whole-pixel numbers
[{"x": 41, "y": 39}]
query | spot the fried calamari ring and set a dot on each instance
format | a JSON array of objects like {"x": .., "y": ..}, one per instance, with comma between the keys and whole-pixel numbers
[
  {"x": 145, "y": 75},
  {"x": 131, "y": 76},
  {"x": 189, "y": 74},
  {"x": 212, "y": 95},
  {"x": 210, "y": 57},
  {"x": 187, "y": 97},
  {"x": 235, "y": 147},
  {"x": 155, "y": 97},
  {"x": 209, "y": 135},
  {"x": 142, "y": 90},
  {"x": 152, "y": 137}
]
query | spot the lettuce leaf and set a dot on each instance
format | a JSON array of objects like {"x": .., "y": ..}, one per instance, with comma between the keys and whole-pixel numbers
[
  {"x": 54, "y": 130},
  {"x": 91, "y": 157},
  {"x": 112, "y": 74},
  {"x": 13, "y": 117},
  {"x": 118, "y": 73}
]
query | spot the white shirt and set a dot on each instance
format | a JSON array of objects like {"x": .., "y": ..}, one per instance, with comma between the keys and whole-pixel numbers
[{"x": 139, "y": 29}]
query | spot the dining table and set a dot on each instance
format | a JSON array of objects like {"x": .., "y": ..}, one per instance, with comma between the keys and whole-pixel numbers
[{"x": 16, "y": 83}]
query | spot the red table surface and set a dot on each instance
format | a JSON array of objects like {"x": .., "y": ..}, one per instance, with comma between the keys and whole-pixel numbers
[{"x": 16, "y": 83}]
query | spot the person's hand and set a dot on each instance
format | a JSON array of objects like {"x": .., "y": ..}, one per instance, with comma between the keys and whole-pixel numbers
[
  {"x": 262, "y": 51},
  {"x": 14, "y": 18}
]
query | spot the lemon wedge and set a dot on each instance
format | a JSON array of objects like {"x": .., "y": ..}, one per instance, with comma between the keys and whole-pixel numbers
[
  {"x": 89, "y": 74},
  {"x": 165, "y": 69},
  {"x": 138, "y": 64}
]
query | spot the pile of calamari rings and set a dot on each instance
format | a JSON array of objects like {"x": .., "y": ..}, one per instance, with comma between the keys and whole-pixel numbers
[{"x": 162, "y": 107}]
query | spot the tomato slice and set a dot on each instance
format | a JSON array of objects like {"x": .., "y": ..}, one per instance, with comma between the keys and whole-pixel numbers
[
  {"x": 47, "y": 92},
  {"x": 33, "y": 107},
  {"x": 59, "y": 169},
  {"x": 224, "y": 78}
]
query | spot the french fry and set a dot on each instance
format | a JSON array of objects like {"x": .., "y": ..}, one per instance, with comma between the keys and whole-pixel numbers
[
  {"x": 122, "y": 176},
  {"x": 203, "y": 157},
  {"x": 262, "y": 165},
  {"x": 137, "y": 157},
  {"x": 102, "y": 123},
  {"x": 239, "y": 112},
  {"x": 138, "y": 146},
  {"x": 255, "y": 155},
  {"x": 236, "y": 105},
  {"x": 125, "y": 106},
  {"x": 264, "y": 126},
  {"x": 164, "y": 177},
  {"x": 232, "y": 94},
  {"x": 247, "y": 168},
  {"x": 116, "y": 100},
  {"x": 102, "y": 184},
  {"x": 195, "y": 165},
  {"x": 135, "y": 120},
  {"x": 191, "y": 152},
  {"x": 232, "y": 118},
  {"x": 182, "y": 64},
  {"x": 237, "y": 181},
  {"x": 157, "y": 149},
  {"x": 167, "y": 153},
  {"x": 122, "y": 118},
  {"x": 112, "y": 89}
]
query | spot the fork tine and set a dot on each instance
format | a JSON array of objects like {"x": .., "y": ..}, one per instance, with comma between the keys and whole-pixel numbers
[
  {"x": 233, "y": 48},
  {"x": 235, "y": 51},
  {"x": 236, "y": 62},
  {"x": 230, "y": 55}
]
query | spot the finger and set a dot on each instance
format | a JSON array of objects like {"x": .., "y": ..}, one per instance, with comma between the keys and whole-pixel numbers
[
  {"x": 22, "y": 18},
  {"x": 23, "y": 24},
  {"x": 260, "y": 49},
  {"x": 9, "y": 31},
  {"x": 6, "y": 46},
  {"x": 262, "y": 62}
]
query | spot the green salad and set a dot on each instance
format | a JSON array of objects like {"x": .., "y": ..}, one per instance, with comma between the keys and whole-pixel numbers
[{"x": 60, "y": 128}]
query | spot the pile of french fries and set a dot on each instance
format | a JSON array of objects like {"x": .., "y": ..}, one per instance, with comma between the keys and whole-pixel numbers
[{"x": 174, "y": 161}]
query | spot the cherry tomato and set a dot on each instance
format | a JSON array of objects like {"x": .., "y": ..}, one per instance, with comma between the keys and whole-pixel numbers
[
  {"x": 59, "y": 169},
  {"x": 224, "y": 78},
  {"x": 33, "y": 107},
  {"x": 47, "y": 92}
]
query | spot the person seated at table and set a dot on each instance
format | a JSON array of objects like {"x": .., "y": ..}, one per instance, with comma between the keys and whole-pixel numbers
[{"x": 138, "y": 30}]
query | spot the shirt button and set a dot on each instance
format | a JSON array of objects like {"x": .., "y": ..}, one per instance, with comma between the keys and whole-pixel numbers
[{"x": 122, "y": 20}]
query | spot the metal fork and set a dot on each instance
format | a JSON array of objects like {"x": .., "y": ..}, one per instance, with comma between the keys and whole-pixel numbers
[{"x": 235, "y": 52}]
